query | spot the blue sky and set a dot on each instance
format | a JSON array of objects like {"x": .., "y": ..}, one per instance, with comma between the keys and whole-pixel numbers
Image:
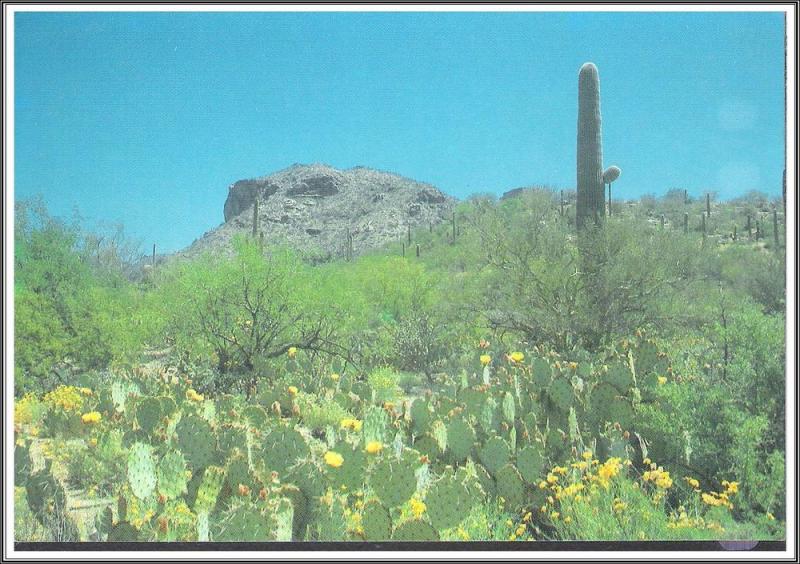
[{"x": 146, "y": 118}]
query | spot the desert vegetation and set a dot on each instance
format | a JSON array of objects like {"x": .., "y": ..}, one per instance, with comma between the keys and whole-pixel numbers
[{"x": 548, "y": 366}]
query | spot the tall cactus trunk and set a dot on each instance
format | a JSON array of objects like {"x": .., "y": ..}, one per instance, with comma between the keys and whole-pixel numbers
[{"x": 591, "y": 191}]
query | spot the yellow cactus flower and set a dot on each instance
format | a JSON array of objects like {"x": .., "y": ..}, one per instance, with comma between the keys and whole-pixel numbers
[
  {"x": 91, "y": 418},
  {"x": 292, "y": 390},
  {"x": 291, "y": 352},
  {"x": 555, "y": 515},
  {"x": 587, "y": 455},
  {"x": 733, "y": 487},
  {"x": 542, "y": 485},
  {"x": 417, "y": 507},
  {"x": 485, "y": 360},
  {"x": 692, "y": 482},
  {"x": 86, "y": 391},
  {"x": 335, "y": 377},
  {"x": 567, "y": 520},
  {"x": 333, "y": 459},
  {"x": 516, "y": 357},
  {"x": 192, "y": 395},
  {"x": 374, "y": 447},
  {"x": 662, "y": 380}
]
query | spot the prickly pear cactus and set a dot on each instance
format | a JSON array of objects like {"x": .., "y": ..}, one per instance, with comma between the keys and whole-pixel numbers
[
  {"x": 561, "y": 393},
  {"x": 460, "y": 438},
  {"x": 414, "y": 530},
  {"x": 255, "y": 416},
  {"x": 148, "y": 414},
  {"x": 376, "y": 425},
  {"x": 393, "y": 480},
  {"x": 542, "y": 373},
  {"x": 510, "y": 487},
  {"x": 448, "y": 502},
  {"x": 45, "y": 495},
  {"x": 168, "y": 406},
  {"x": 530, "y": 463},
  {"x": 494, "y": 454},
  {"x": 281, "y": 449},
  {"x": 196, "y": 441},
  {"x": 210, "y": 487},
  {"x": 428, "y": 446},
  {"x": 299, "y": 509},
  {"x": 600, "y": 399},
  {"x": 141, "y": 470},
  {"x": 645, "y": 358},
  {"x": 237, "y": 472},
  {"x": 619, "y": 375},
  {"x": 242, "y": 523},
  {"x": 22, "y": 464},
  {"x": 509, "y": 411},
  {"x": 351, "y": 473},
  {"x": 172, "y": 475},
  {"x": 490, "y": 418},
  {"x": 123, "y": 532},
  {"x": 376, "y": 521},
  {"x": 420, "y": 417},
  {"x": 485, "y": 480}
]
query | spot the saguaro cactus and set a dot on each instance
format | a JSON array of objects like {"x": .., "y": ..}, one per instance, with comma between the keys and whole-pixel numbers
[
  {"x": 255, "y": 217},
  {"x": 591, "y": 191}
]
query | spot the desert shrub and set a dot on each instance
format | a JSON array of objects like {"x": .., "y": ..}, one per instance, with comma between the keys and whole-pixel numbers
[
  {"x": 384, "y": 384},
  {"x": 247, "y": 309}
]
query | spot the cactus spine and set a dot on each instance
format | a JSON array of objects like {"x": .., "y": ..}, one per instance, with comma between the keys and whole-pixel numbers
[{"x": 591, "y": 191}]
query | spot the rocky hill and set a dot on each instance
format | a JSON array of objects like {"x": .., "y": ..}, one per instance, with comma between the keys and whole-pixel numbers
[{"x": 311, "y": 208}]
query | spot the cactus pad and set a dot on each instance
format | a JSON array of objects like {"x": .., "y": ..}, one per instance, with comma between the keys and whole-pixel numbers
[
  {"x": 282, "y": 448},
  {"x": 420, "y": 417},
  {"x": 542, "y": 372},
  {"x": 123, "y": 532},
  {"x": 561, "y": 393},
  {"x": 460, "y": 438},
  {"x": 645, "y": 357},
  {"x": 376, "y": 425},
  {"x": 619, "y": 375},
  {"x": 243, "y": 523},
  {"x": 530, "y": 463},
  {"x": 141, "y": 470},
  {"x": 196, "y": 441},
  {"x": 376, "y": 521},
  {"x": 448, "y": 501},
  {"x": 494, "y": 454},
  {"x": 171, "y": 474},
  {"x": 255, "y": 416},
  {"x": 415, "y": 530},
  {"x": 510, "y": 487},
  {"x": 148, "y": 414},
  {"x": 601, "y": 398},
  {"x": 509, "y": 411},
  {"x": 210, "y": 487},
  {"x": 352, "y": 471},
  {"x": 393, "y": 481}
]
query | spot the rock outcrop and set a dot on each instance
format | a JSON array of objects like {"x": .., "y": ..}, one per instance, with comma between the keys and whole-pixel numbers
[{"x": 312, "y": 207}]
